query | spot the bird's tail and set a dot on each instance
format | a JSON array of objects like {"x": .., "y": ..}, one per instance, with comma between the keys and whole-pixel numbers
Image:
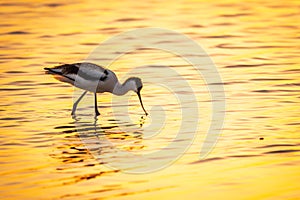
[{"x": 57, "y": 71}]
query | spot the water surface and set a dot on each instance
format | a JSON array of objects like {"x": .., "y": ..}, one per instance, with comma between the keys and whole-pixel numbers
[{"x": 256, "y": 49}]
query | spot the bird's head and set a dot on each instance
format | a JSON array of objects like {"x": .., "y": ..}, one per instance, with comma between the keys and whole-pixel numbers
[{"x": 136, "y": 85}]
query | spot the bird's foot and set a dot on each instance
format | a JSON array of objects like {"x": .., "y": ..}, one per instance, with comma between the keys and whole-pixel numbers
[{"x": 74, "y": 116}]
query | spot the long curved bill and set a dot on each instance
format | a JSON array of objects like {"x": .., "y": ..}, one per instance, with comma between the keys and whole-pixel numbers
[{"x": 139, "y": 95}]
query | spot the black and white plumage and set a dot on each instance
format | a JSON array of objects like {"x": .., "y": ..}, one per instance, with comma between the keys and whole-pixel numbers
[{"x": 96, "y": 79}]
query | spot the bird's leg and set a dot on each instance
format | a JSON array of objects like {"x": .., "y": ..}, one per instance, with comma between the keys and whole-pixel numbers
[
  {"x": 76, "y": 103},
  {"x": 96, "y": 108}
]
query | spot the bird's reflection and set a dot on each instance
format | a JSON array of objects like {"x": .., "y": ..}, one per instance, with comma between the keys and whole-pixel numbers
[{"x": 86, "y": 136}]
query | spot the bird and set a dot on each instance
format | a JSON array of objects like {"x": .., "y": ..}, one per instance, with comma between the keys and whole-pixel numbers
[{"x": 96, "y": 79}]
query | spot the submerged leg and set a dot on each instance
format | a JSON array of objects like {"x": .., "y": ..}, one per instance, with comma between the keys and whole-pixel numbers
[
  {"x": 96, "y": 108},
  {"x": 76, "y": 103}
]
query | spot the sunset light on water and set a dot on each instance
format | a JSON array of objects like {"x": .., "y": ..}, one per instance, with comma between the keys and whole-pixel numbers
[{"x": 254, "y": 154}]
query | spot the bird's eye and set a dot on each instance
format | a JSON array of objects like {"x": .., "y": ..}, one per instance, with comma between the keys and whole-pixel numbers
[{"x": 139, "y": 88}]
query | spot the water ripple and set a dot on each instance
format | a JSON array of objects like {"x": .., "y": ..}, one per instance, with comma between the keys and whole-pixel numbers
[{"x": 282, "y": 151}]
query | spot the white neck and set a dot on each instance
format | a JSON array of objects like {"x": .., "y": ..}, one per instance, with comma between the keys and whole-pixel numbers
[{"x": 121, "y": 89}]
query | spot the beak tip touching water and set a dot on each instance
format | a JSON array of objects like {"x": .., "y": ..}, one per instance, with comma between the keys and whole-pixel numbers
[{"x": 140, "y": 98}]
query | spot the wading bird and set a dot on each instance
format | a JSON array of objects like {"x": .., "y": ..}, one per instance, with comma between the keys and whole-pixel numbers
[{"x": 96, "y": 79}]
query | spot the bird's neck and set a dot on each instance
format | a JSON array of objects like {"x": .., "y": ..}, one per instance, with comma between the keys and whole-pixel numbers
[{"x": 121, "y": 89}]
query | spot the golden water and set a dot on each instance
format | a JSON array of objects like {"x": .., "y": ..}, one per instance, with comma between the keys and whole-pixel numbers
[{"x": 255, "y": 46}]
